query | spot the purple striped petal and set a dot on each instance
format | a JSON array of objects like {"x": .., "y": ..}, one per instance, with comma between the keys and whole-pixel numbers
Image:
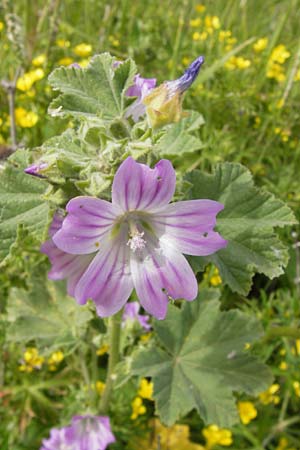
[
  {"x": 107, "y": 280},
  {"x": 88, "y": 221},
  {"x": 163, "y": 273},
  {"x": 64, "y": 265},
  {"x": 137, "y": 187},
  {"x": 188, "y": 226}
]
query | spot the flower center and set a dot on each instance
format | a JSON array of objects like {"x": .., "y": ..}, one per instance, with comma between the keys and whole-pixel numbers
[{"x": 136, "y": 241}]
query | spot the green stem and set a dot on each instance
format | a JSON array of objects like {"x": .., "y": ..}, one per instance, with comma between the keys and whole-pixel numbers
[{"x": 114, "y": 357}]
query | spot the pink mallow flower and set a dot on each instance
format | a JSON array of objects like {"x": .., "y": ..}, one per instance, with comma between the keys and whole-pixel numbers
[
  {"x": 85, "y": 433},
  {"x": 131, "y": 314},
  {"x": 105, "y": 250}
]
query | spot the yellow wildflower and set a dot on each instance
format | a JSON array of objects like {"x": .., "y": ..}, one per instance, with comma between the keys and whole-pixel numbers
[
  {"x": 269, "y": 396},
  {"x": 195, "y": 22},
  {"x": 186, "y": 60},
  {"x": 146, "y": 337},
  {"x": 102, "y": 350},
  {"x": 283, "y": 444},
  {"x": 39, "y": 60},
  {"x": 296, "y": 386},
  {"x": 84, "y": 62},
  {"x": 26, "y": 81},
  {"x": 276, "y": 71},
  {"x": 247, "y": 346},
  {"x": 260, "y": 45},
  {"x": 63, "y": 43},
  {"x": 237, "y": 62},
  {"x": 224, "y": 34},
  {"x": 200, "y": 36},
  {"x": 212, "y": 22},
  {"x": 280, "y": 54},
  {"x": 24, "y": 118},
  {"x": 137, "y": 408},
  {"x": 217, "y": 436},
  {"x": 100, "y": 386},
  {"x": 66, "y": 61},
  {"x": 215, "y": 280},
  {"x": 297, "y": 346},
  {"x": 83, "y": 50},
  {"x": 54, "y": 359},
  {"x": 285, "y": 135},
  {"x": 31, "y": 360},
  {"x": 282, "y": 352},
  {"x": 257, "y": 122},
  {"x": 1, "y": 26},
  {"x": 145, "y": 389},
  {"x": 200, "y": 8},
  {"x": 247, "y": 412}
]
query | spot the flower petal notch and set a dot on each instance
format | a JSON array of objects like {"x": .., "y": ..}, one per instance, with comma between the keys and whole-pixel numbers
[
  {"x": 164, "y": 104},
  {"x": 105, "y": 250}
]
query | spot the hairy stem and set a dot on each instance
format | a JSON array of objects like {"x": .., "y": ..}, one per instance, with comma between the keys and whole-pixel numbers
[{"x": 114, "y": 357}]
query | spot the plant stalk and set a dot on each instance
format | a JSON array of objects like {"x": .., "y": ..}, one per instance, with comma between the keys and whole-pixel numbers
[{"x": 114, "y": 357}]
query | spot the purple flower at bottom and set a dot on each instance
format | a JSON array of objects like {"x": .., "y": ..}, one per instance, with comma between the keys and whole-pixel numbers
[
  {"x": 137, "y": 241},
  {"x": 85, "y": 433},
  {"x": 131, "y": 313},
  {"x": 35, "y": 169}
]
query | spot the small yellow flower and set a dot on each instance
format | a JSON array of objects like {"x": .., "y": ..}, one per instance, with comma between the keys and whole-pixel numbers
[
  {"x": 66, "y": 61},
  {"x": 297, "y": 346},
  {"x": 296, "y": 386},
  {"x": 212, "y": 23},
  {"x": 145, "y": 389},
  {"x": 237, "y": 62},
  {"x": 257, "y": 122},
  {"x": 83, "y": 50},
  {"x": 26, "y": 81},
  {"x": 276, "y": 71},
  {"x": 282, "y": 352},
  {"x": 215, "y": 280},
  {"x": 200, "y": 36},
  {"x": 100, "y": 386},
  {"x": 280, "y": 54},
  {"x": 200, "y": 8},
  {"x": 260, "y": 45},
  {"x": 247, "y": 412},
  {"x": 283, "y": 444},
  {"x": 24, "y": 118},
  {"x": 102, "y": 350},
  {"x": 186, "y": 61},
  {"x": 145, "y": 337},
  {"x": 217, "y": 436},
  {"x": 54, "y": 359},
  {"x": 1, "y": 26},
  {"x": 84, "y": 62},
  {"x": 39, "y": 60},
  {"x": 137, "y": 408},
  {"x": 195, "y": 22},
  {"x": 63, "y": 43},
  {"x": 224, "y": 35},
  {"x": 247, "y": 346},
  {"x": 269, "y": 396},
  {"x": 31, "y": 359}
]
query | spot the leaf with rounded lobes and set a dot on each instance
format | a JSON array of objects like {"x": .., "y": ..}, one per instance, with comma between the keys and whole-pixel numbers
[
  {"x": 201, "y": 360},
  {"x": 96, "y": 91},
  {"x": 178, "y": 139},
  {"x": 247, "y": 222},
  {"x": 46, "y": 314},
  {"x": 21, "y": 204}
]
